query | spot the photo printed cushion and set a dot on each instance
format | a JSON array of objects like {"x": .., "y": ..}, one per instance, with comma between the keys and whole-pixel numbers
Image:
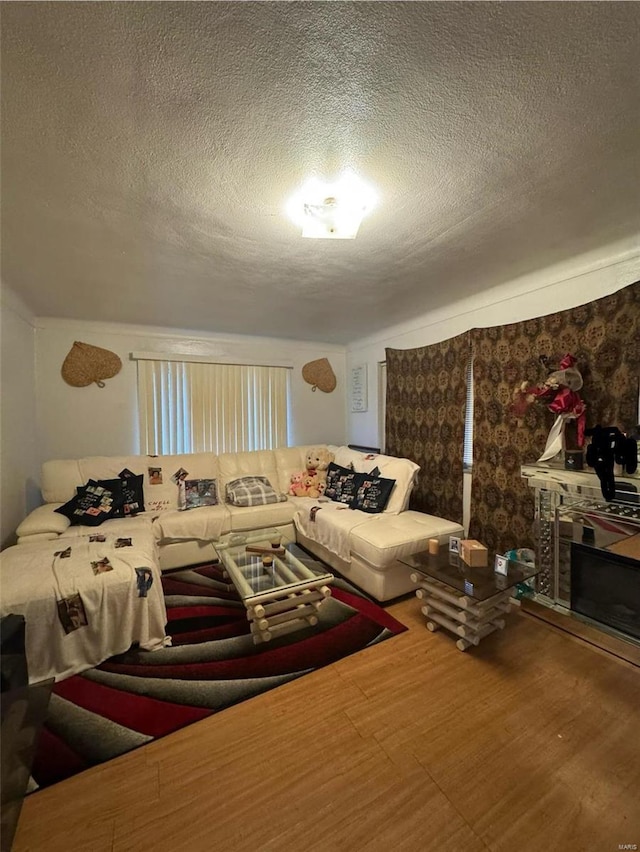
[
  {"x": 342, "y": 484},
  {"x": 94, "y": 503},
  {"x": 132, "y": 491},
  {"x": 200, "y": 492},
  {"x": 116, "y": 489},
  {"x": 372, "y": 494}
]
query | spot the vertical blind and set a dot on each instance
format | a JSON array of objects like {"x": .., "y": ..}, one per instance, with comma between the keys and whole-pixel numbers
[{"x": 190, "y": 407}]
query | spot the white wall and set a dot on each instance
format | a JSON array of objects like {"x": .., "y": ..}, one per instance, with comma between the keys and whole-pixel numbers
[
  {"x": 19, "y": 493},
  {"x": 566, "y": 285},
  {"x": 76, "y": 422}
]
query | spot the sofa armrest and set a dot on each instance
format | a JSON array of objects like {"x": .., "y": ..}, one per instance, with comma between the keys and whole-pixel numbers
[{"x": 44, "y": 519}]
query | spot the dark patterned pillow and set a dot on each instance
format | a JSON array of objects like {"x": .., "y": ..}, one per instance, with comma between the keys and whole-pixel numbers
[
  {"x": 372, "y": 494},
  {"x": 133, "y": 493},
  {"x": 116, "y": 488},
  {"x": 341, "y": 484},
  {"x": 95, "y": 503}
]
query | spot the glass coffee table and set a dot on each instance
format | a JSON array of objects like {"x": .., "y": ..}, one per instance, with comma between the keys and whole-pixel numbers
[
  {"x": 281, "y": 586},
  {"x": 469, "y": 602}
]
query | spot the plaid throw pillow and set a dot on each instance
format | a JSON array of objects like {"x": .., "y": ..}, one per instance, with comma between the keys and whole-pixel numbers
[{"x": 252, "y": 491}]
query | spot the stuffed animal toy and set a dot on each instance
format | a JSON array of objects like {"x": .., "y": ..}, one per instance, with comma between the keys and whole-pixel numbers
[
  {"x": 297, "y": 488},
  {"x": 609, "y": 445},
  {"x": 315, "y": 486},
  {"x": 317, "y": 462},
  {"x": 308, "y": 482}
]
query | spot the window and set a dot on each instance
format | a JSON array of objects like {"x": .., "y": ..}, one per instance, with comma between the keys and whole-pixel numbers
[
  {"x": 192, "y": 406},
  {"x": 467, "y": 457}
]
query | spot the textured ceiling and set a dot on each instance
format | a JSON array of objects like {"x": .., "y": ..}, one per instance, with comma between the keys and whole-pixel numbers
[{"x": 149, "y": 150}]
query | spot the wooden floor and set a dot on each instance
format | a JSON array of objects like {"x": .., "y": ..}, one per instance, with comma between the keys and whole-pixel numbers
[{"x": 530, "y": 742}]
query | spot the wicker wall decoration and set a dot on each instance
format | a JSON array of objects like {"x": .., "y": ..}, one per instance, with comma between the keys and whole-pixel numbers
[
  {"x": 319, "y": 374},
  {"x": 86, "y": 364}
]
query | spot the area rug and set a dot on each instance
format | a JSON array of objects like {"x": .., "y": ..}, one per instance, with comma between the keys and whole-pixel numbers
[{"x": 137, "y": 697}]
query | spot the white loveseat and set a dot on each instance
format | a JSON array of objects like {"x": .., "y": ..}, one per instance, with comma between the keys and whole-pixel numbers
[{"x": 364, "y": 548}]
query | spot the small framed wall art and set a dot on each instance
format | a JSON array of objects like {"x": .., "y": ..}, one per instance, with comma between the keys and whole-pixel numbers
[{"x": 359, "y": 388}]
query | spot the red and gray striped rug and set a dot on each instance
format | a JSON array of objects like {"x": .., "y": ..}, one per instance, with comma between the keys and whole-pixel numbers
[{"x": 137, "y": 697}]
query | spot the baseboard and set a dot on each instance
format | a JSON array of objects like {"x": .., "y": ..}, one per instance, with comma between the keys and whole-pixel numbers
[{"x": 568, "y": 623}]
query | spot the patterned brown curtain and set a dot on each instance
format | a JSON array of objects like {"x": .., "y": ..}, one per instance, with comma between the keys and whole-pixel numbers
[
  {"x": 425, "y": 408},
  {"x": 604, "y": 336}
]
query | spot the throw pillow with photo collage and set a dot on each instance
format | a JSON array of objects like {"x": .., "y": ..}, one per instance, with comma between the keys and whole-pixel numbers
[
  {"x": 341, "y": 484},
  {"x": 132, "y": 491},
  {"x": 95, "y": 503},
  {"x": 200, "y": 492},
  {"x": 373, "y": 493}
]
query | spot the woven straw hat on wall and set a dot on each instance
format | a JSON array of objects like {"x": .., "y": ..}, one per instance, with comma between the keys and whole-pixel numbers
[
  {"x": 319, "y": 375},
  {"x": 86, "y": 364}
]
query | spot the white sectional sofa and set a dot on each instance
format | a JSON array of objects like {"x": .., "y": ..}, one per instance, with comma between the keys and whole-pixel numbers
[{"x": 364, "y": 548}]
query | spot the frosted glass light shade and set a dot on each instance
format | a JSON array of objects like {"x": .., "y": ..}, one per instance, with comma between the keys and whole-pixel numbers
[{"x": 332, "y": 211}]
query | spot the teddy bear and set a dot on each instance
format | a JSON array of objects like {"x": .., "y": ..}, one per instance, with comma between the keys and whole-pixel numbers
[
  {"x": 315, "y": 486},
  {"x": 297, "y": 488},
  {"x": 317, "y": 461},
  {"x": 311, "y": 481}
]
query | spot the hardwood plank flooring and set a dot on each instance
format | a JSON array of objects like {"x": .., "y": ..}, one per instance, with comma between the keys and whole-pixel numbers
[
  {"x": 528, "y": 742},
  {"x": 587, "y": 632}
]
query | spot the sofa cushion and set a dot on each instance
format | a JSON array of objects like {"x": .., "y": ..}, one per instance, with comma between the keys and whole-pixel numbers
[
  {"x": 116, "y": 526},
  {"x": 235, "y": 465},
  {"x": 161, "y": 489},
  {"x": 202, "y": 524},
  {"x": 110, "y": 467},
  {"x": 31, "y": 539},
  {"x": 257, "y": 517},
  {"x": 346, "y": 457},
  {"x": 44, "y": 520},
  {"x": 163, "y": 476},
  {"x": 60, "y": 478},
  {"x": 291, "y": 460},
  {"x": 391, "y": 537}
]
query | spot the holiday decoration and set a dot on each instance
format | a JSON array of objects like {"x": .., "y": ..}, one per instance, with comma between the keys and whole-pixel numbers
[{"x": 559, "y": 392}]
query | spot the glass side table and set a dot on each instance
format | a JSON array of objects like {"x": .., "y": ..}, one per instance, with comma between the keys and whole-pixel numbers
[{"x": 469, "y": 602}]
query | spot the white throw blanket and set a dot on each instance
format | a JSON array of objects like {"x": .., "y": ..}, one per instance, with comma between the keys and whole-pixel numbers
[
  {"x": 204, "y": 523},
  {"x": 331, "y": 526},
  {"x": 84, "y": 601}
]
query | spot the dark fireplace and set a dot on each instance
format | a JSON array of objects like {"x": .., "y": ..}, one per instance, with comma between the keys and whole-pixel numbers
[{"x": 606, "y": 588}]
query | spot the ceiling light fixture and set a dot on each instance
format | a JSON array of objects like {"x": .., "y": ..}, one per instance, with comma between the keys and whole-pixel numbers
[{"x": 332, "y": 211}]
